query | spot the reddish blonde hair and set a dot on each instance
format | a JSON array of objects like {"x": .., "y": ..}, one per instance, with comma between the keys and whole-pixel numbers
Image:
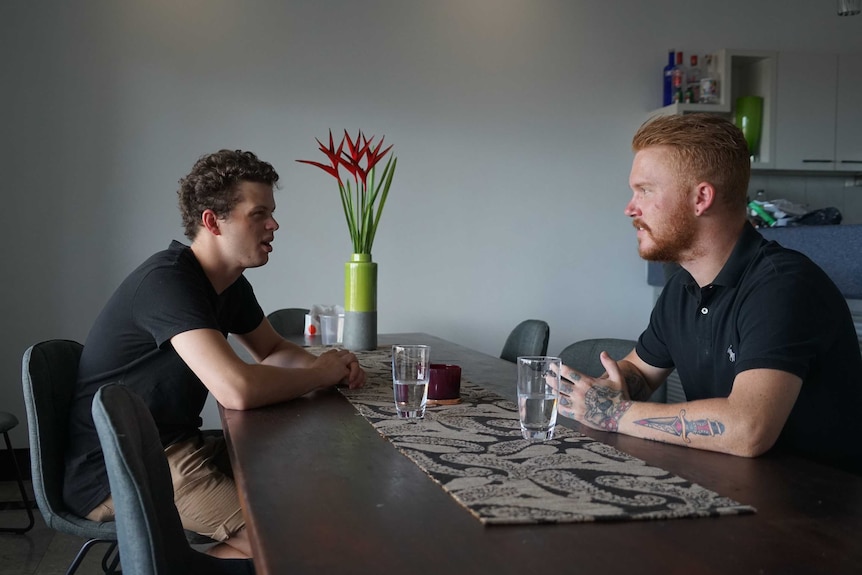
[{"x": 705, "y": 148}]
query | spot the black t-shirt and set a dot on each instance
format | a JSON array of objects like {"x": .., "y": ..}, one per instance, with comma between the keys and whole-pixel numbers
[
  {"x": 130, "y": 343},
  {"x": 769, "y": 307}
]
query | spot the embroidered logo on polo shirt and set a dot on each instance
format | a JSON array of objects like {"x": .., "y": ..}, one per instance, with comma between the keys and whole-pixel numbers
[{"x": 731, "y": 355}]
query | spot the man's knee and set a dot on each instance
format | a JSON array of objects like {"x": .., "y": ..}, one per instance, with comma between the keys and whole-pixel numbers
[
  {"x": 104, "y": 511},
  {"x": 206, "y": 498}
]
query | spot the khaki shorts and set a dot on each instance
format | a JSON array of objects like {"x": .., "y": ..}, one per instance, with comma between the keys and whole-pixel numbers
[{"x": 204, "y": 491}]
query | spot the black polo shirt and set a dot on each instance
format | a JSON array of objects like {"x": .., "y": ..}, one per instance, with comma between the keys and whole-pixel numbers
[{"x": 769, "y": 307}]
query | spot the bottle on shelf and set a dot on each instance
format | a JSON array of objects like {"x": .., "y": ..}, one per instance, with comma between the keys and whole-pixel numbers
[
  {"x": 678, "y": 80},
  {"x": 693, "y": 77},
  {"x": 689, "y": 97},
  {"x": 709, "y": 80},
  {"x": 711, "y": 63},
  {"x": 667, "y": 95}
]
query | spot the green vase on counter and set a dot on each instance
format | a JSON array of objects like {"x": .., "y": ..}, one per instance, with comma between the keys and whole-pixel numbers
[
  {"x": 749, "y": 119},
  {"x": 360, "y": 303}
]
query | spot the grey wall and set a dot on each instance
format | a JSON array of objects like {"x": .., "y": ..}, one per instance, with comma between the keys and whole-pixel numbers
[{"x": 511, "y": 119}]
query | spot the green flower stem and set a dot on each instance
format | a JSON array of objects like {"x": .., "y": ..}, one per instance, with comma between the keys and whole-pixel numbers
[
  {"x": 359, "y": 198},
  {"x": 388, "y": 172}
]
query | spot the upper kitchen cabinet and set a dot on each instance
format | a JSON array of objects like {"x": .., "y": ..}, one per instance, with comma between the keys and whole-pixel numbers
[
  {"x": 743, "y": 73},
  {"x": 819, "y": 123},
  {"x": 807, "y": 101},
  {"x": 848, "y": 127}
]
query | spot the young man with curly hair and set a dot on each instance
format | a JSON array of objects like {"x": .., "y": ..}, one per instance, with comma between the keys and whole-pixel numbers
[{"x": 164, "y": 334}]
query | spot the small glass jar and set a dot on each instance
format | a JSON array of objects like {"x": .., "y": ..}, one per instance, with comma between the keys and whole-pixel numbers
[{"x": 708, "y": 91}]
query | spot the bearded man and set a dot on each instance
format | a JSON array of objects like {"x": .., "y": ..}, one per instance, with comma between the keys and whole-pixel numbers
[{"x": 762, "y": 339}]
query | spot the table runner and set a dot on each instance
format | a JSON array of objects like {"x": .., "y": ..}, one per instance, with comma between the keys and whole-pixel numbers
[{"x": 475, "y": 451}]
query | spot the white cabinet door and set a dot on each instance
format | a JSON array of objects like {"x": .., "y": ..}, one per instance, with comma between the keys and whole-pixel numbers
[
  {"x": 848, "y": 143},
  {"x": 805, "y": 117}
]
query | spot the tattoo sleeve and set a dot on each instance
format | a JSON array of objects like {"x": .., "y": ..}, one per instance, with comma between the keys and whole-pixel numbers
[
  {"x": 682, "y": 427},
  {"x": 605, "y": 407},
  {"x": 638, "y": 388}
]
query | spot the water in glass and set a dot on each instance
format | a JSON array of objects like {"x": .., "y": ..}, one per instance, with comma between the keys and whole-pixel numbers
[
  {"x": 411, "y": 397},
  {"x": 410, "y": 379},
  {"x": 538, "y": 393},
  {"x": 538, "y": 415}
]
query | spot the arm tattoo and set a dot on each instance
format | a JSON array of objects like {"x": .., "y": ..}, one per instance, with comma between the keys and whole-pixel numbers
[
  {"x": 681, "y": 427},
  {"x": 605, "y": 407},
  {"x": 637, "y": 386}
]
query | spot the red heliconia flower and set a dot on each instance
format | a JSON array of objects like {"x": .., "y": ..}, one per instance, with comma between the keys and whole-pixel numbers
[
  {"x": 333, "y": 156},
  {"x": 363, "y": 202},
  {"x": 352, "y": 157},
  {"x": 375, "y": 155}
]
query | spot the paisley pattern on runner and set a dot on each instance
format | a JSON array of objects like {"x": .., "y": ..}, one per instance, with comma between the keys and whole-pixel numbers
[{"x": 475, "y": 451}]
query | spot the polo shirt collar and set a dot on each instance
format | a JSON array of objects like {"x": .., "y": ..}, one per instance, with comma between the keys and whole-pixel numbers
[{"x": 744, "y": 251}]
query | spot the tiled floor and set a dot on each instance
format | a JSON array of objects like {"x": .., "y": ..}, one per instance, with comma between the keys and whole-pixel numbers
[{"x": 40, "y": 551}]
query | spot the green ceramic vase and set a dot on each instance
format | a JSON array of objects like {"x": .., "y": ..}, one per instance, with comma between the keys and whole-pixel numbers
[
  {"x": 749, "y": 119},
  {"x": 360, "y": 303}
]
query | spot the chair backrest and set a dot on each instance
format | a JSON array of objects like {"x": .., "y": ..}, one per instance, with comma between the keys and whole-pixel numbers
[
  {"x": 288, "y": 321},
  {"x": 584, "y": 355},
  {"x": 530, "y": 337},
  {"x": 151, "y": 536},
  {"x": 49, "y": 371}
]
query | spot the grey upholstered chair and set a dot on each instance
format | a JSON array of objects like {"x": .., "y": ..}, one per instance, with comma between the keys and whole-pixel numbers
[
  {"x": 288, "y": 321},
  {"x": 8, "y": 422},
  {"x": 48, "y": 372},
  {"x": 148, "y": 524},
  {"x": 584, "y": 356},
  {"x": 530, "y": 337}
]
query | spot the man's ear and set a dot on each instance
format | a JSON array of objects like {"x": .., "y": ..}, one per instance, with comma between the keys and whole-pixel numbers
[
  {"x": 209, "y": 221},
  {"x": 704, "y": 197}
]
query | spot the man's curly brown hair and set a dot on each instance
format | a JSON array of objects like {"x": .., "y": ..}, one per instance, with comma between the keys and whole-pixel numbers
[{"x": 213, "y": 183}]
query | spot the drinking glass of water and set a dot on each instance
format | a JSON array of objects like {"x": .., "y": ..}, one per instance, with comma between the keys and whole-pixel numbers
[
  {"x": 538, "y": 393},
  {"x": 410, "y": 372}
]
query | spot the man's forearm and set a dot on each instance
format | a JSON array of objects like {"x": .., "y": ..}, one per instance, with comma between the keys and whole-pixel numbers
[
  {"x": 747, "y": 422},
  {"x": 607, "y": 409},
  {"x": 681, "y": 426},
  {"x": 288, "y": 354},
  {"x": 637, "y": 385},
  {"x": 711, "y": 424}
]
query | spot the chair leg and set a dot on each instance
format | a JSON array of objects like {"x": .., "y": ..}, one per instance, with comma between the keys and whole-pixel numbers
[
  {"x": 112, "y": 554},
  {"x": 27, "y": 506},
  {"x": 76, "y": 562}
]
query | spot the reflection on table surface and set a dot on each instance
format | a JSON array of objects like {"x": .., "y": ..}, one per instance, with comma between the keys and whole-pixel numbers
[{"x": 323, "y": 492}]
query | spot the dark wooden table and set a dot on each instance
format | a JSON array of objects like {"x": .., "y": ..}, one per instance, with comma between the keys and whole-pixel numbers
[{"x": 324, "y": 493}]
